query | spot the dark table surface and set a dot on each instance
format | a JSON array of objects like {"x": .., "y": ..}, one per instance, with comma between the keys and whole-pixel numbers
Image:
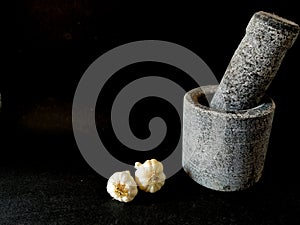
[
  {"x": 53, "y": 188},
  {"x": 43, "y": 177}
]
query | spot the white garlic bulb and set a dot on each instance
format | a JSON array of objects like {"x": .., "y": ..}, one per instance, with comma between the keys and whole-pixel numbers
[
  {"x": 122, "y": 187},
  {"x": 149, "y": 176}
]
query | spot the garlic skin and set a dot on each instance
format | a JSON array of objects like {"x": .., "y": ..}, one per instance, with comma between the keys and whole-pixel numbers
[
  {"x": 122, "y": 187},
  {"x": 149, "y": 176}
]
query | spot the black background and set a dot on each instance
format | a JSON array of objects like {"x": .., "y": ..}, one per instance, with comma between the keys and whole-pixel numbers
[{"x": 43, "y": 177}]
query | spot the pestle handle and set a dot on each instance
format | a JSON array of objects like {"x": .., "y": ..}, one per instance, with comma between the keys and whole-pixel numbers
[{"x": 255, "y": 62}]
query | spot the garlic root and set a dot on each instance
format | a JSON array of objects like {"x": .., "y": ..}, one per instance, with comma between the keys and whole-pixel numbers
[{"x": 122, "y": 187}]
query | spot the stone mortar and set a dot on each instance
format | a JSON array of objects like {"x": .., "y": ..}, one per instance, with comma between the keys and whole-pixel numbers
[
  {"x": 255, "y": 62},
  {"x": 224, "y": 151}
]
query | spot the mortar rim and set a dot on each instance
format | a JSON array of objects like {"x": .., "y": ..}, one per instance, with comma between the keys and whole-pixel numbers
[{"x": 192, "y": 97}]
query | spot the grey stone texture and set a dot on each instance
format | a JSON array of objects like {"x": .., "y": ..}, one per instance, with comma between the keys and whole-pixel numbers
[
  {"x": 224, "y": 151},
  {"x": 255, "y": 62},
  {"x": 225, "y": 143}
]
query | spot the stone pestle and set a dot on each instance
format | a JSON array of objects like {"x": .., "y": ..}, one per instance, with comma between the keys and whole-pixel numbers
[{"x": 255, "y": 62}]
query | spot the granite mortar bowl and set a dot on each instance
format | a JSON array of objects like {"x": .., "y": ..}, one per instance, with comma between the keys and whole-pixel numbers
[{"x": 224, "y": 150}]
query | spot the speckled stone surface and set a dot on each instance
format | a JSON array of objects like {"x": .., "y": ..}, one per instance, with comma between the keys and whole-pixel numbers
[
  {"x": 224, "y": 151},
  {"x": 255, "y": 62}
]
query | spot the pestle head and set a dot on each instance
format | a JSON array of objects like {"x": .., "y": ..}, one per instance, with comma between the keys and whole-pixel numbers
[{"x": 255, "y": 62}]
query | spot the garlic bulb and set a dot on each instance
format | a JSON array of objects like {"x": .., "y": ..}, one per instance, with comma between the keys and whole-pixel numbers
[
  {"x": 149, "y": 176},
  {"x": 122, "y": 187}
]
